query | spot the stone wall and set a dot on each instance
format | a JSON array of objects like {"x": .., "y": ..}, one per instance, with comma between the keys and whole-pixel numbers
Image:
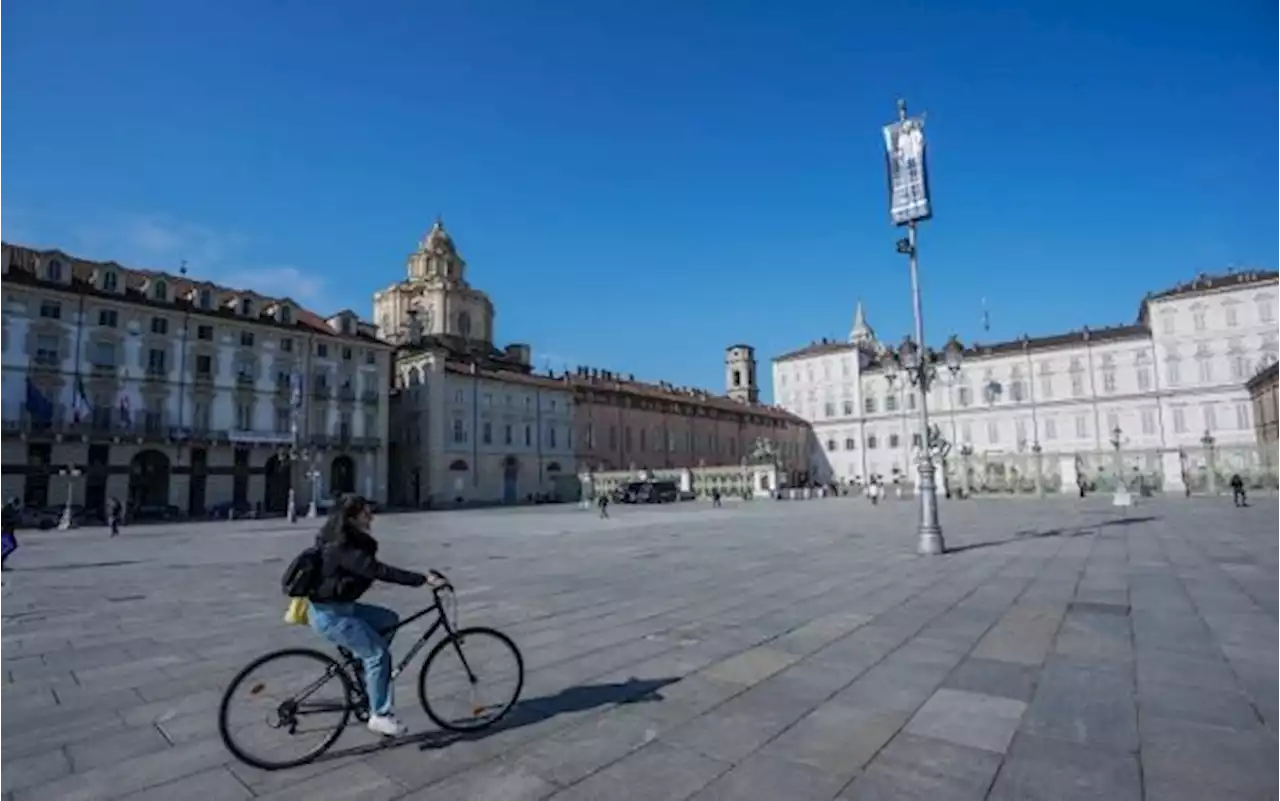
[
  {"x": 732, "y": 481},
  {"x": 1146, "y": 471}
]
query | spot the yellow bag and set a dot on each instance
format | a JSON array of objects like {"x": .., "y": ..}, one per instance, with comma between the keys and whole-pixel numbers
[{"x": 296, "y": 614}]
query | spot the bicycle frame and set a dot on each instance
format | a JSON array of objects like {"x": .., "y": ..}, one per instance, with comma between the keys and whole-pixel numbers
[{"x": 442, "y": 620}]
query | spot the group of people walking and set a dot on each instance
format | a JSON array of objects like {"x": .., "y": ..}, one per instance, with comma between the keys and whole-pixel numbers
[{"x": 12, "y": 518}]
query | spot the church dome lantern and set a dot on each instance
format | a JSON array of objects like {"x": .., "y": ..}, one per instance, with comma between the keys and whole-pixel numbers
[{"x": 436, "y": 257}]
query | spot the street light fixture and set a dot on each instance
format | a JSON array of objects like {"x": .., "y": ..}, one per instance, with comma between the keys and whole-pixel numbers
[
  {"x": 921, "y": 368},
  {"x": 314, "y": 475},
  {"x": 70, "y": 473},
  {"x": 953, "y": 354},
  {"x": 1121, "y": 495},
  {"x": 909, "y": 205},
  {"x": 1211, "y": 461}
]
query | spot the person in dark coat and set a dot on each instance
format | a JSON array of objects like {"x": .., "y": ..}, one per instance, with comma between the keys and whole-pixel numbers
[
  {"x": 114, "y": 511},
  {"x": 1237, "y": 490},
  {"x": 9, "y": 530},
  {"x": 349, "y": 566}
]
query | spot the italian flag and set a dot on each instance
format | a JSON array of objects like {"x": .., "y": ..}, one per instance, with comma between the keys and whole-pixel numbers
[{"x": 79, "y": 401}]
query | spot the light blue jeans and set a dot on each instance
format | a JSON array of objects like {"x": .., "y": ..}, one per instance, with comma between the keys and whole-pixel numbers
[{"x": 355, "y": 626}]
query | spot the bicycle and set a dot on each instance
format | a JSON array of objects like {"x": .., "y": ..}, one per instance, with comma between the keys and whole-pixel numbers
[{"x": 292, "y": 712}]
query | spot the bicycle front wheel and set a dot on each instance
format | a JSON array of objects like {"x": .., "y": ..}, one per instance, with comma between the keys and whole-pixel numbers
[
  {"x": 471, "y": 679},
  {"x": 285, "y": 708}
]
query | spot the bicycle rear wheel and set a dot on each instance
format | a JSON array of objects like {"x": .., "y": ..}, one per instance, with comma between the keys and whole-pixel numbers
[
  {"x": 285, "y": 708},
  {"x": 471, "y": 679}
]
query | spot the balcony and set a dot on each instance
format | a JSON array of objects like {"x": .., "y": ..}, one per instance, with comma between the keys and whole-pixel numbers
[
  {"x": 155, "y": 375},
  {"x": 283, "y": 390},
  {"x": 370, "y": 396},
  {"x": 202, "y": 378},
  {"x": 320, "y": 392},
  {"x": 248, "y": 437},
  {"x": 346, "y": 394},
  {"x": 245, "y": 380},
  {"x": 46, "y": 363},
  {"x": 103, "y": 370},
  {"x": 196, "y": 433}
]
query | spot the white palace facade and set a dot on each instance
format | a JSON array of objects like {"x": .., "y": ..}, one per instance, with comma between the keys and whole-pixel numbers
[{"x": 1167, "y": 383}]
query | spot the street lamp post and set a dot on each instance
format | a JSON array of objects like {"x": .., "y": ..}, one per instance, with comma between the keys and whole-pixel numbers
[
  {"x": 313, "y": 475},
  {"x": 921, "y": 369},
  {"x": 1210, "y": 461},
  {"x": 909, "y": 205},
  {"x": 1121, "y": 496},
  {"x": 71, "y": 473},
  {"x": 1037, "y": 454}
]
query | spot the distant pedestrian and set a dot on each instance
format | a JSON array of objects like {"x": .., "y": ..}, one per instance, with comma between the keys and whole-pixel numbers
[
  {"x": 1237, "y": 490},
  {"x": 715, "y": 498},
  {"x": 114, "y": 510},
  {"x": 1082, "y": 485},
  {"x": 603, "y": 502},
  {"x": 9, "y": 531}
]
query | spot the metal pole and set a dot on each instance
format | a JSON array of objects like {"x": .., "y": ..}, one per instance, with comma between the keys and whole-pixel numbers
[
  {"x": 312, "y": 475},
  {"x": 931, "y": 541},
  {"x": 65, "y": 522}
]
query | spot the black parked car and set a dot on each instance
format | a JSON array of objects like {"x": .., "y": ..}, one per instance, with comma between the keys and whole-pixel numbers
[{"x": 648, "y": 492}]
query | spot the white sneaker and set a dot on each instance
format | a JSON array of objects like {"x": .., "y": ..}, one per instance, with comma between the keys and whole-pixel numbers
[{"x": 387, "y": 725}]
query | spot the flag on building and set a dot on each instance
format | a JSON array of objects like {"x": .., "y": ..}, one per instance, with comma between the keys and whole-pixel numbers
[
  {"x": 296, "y": 382},
  {"x": 39, "y": 408},
  {"x": 79, "y": 401},
  {"x": 126, "y": 416}
]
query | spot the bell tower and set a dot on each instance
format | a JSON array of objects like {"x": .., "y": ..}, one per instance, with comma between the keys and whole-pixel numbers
[{"x": 740, "y": 374}]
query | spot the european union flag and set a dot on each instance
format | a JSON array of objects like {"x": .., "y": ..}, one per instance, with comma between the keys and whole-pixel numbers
[{"x": 39, "y": 407}]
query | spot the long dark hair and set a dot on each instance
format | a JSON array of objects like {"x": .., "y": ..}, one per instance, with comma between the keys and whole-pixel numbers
[{"x": 341, "y": 517}]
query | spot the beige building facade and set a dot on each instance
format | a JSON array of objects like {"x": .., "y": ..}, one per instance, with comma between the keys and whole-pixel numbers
[
  {"x": 472, "y": 434},
  {"x": 473, "y": 423},
  {"x": 171, "y": 393},
  {"x": 629, "y": 425},
  {"x": 434, "y": 299}
]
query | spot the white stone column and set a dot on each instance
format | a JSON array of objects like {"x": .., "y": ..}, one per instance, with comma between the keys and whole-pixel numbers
[
  {"x": 1171, "y": 472},
  {"x": 1067, "y": 469}
]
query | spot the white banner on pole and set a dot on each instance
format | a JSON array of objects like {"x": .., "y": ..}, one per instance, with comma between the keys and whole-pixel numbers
[{"x": 908, "y": 177}]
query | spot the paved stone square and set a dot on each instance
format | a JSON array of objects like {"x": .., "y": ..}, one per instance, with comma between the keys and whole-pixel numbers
[{"x": 789, "y": 651}]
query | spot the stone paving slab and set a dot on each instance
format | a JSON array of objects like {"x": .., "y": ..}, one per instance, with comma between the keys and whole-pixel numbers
[{"x": 795, "y": 650}]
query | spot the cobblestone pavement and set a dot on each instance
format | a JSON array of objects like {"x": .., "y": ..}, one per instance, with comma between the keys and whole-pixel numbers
[{"x": 789, "y": 651}]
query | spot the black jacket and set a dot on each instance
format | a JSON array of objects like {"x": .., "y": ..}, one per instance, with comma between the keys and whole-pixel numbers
[{"x": 349, "y": 565}]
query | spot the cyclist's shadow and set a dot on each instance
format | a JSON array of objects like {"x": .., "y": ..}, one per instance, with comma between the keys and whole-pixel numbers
[{"x": 525, "y": 713}]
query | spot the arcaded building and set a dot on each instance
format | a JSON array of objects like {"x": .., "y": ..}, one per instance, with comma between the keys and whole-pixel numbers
[{"x": 169, "y": 392}]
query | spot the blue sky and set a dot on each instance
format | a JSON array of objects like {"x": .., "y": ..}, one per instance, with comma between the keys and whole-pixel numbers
[{"x": 639, "y": 184}]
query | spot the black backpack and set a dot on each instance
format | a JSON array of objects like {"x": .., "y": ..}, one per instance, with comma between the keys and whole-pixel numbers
[{"x": 302, "y": 576}]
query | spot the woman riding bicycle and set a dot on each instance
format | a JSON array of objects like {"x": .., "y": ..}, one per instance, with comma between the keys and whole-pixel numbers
[{"x": 349, "y": 565}]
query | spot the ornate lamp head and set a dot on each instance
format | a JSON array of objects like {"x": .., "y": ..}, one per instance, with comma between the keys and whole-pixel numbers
[
  {"x": 953, "y": 354},
  {"x": 909, "y": 354}
]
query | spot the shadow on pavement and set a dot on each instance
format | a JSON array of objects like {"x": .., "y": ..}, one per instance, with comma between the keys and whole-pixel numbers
[
  {"x": 525, "y": 713},
  {"x": 1074, "y": 532}
]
